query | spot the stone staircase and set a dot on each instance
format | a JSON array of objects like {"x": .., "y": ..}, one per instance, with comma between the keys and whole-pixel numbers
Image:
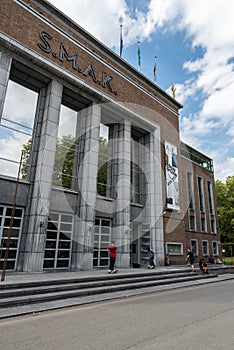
[{"x": 36, "y": 296}]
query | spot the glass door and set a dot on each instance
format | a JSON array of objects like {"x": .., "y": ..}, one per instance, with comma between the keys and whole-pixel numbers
[
  {"x": 58, "y": 241},
  {"x": 102, "y": 238},
  {"x": 5, "y": 218}
]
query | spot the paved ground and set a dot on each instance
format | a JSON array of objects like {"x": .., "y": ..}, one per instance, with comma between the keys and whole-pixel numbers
[{"x": 194, "y": 318}]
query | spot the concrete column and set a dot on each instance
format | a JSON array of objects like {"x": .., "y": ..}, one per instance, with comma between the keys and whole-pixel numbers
[
  {"x": 88, "y": 129},
  {"x": 40, "y": 195},
  {"x": 121, "y": 139},
  {"x": 5, "y": 67},
  {"x": 156, "y": 205}
]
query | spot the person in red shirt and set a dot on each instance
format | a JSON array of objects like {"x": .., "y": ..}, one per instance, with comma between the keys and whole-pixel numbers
[{"x": 112, "y": 255}]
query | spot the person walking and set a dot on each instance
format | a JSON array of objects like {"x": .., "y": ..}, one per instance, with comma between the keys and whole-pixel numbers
[
  {"x": 112, "y": 255},
  {"x": 190, "y": 259},
  {"x": 151, "y": 258}
]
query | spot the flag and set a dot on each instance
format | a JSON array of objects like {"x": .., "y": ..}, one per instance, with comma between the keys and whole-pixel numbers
[
  {"x": 139, "y": 56},
  {"x": 155, "y": 69},
  {"x": 121, "y": 41}
]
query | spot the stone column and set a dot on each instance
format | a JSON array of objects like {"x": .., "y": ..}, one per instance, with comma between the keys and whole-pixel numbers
[
  {"x": 87, "y": 135},
  {"x": 39, "y": 200},
  {"x": 156, "y": 207},
  {"x": 5, "y": 66},
  {"x": 121, "y": 146}
]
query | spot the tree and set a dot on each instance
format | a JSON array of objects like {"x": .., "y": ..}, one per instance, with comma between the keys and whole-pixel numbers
[
  {"x": 102, "y": 166},
  {"x": 225, "y": 207},
  {"x": 63, "y": 164},
  {"x": 25, "y": 158},
  {"x": 64, "y": 159}
]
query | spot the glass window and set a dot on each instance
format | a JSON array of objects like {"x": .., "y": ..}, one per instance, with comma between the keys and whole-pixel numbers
[
  {"x": 13, "y": 231},
  {"x": 190, "y": 191},
  {"x": 213, "y": 226},
  {"x": 205, "y": 248},
  {"x": 135, "y": 173},
  {"x": 191, "y": 223},
  {"x": 16, "y": 129},
  {"x": 203, "y": 224},
  {"x": 201, "y": 194},
  {"x": 58, "y": 244},
  {"x": 104, "y": 165},
  {"x": 174, "y": 248},
  {"x": 210, "y": 197},
  {"x": 102, "y": 239},
  {"x": 215, "y": 248},
  {"x": 65, "y": 150},
  {"x": 194, "y": 246}
]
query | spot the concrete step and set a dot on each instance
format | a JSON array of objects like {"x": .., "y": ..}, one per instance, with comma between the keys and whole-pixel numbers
[
  {"x": 60, "y": 285},
  {"x": 39, "y": 292}
]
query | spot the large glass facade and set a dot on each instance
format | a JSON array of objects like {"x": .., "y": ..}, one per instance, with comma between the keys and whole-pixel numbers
[
  {"x": 64, "y": 174},
  {"x": 58, "y": 241},
  {"x": 10, "y": 232},
  {"x": 104, "y": 175},
  {"x": 16, "y": 129},
  {"x": 102, "y": 238}
]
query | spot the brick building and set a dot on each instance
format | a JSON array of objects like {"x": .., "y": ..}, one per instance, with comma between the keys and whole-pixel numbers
[{"x": 102, "y": 157}]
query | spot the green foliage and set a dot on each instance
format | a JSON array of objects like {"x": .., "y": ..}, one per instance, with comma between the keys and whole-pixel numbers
[
  {"x": 102, "y": 166},
  {"x": 63, "y": 164},
  {"x": 25, "y": 158},
  {"x": 225, "y": 207}
]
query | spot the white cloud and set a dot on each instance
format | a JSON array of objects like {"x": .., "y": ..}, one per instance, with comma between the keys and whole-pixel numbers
[
  {"x": 101, "y": 18},
  {"x": 224, "y": 168},
  {"x": 20, "y": 104}
]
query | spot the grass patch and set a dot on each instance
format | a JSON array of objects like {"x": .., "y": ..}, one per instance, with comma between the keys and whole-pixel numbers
[{"x": 228, "y": 260}]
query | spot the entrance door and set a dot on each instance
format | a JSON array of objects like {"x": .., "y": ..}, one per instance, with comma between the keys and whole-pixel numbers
[
  {"x": 135, "y": 249},
  {"x": 5, "y": 219},
  {"x": 58, "y": 241},
  {"x": 102, "y": 238}
]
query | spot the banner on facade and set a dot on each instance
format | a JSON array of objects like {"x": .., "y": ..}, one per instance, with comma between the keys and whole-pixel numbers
[{"x": 172, "y": 182}]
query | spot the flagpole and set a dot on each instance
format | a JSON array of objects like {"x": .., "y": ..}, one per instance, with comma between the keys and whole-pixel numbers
[
  {"x": 139, "y": 56},
  {"x": 155, "y": 69},
  {"x": 121, "y": 41}
]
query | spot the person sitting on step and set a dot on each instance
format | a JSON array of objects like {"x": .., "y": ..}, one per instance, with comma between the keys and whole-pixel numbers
[{"x": 203, "y": 266}]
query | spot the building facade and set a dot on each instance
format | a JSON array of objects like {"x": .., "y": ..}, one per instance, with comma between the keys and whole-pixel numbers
[{"x": 90, "y": 152}]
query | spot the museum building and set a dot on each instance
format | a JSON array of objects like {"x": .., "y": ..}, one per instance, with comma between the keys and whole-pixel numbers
[{"x": 90, "y": 152}]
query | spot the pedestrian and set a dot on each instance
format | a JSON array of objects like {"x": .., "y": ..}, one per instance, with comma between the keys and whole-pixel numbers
[
  {"x": 203, "y": 266},
  {"x": 218, "y": 261},
  {"x": 151, "y": 258},
  {"x": 112, "y": 256},
  {"x": 211, "y": 259},
  {"x": 190, "y": 259}
]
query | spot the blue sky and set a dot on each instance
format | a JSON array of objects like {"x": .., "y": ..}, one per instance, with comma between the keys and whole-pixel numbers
[{"x": 194, "y": 45}]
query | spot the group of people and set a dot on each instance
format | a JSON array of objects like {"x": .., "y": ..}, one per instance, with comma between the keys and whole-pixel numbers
[
  {"x": 202, "y": 263},
  {"x": 112, "y": 257},
  {"x": 151, "y": 265}
]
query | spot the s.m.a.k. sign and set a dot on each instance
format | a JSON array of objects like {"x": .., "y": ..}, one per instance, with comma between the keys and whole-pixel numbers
[{"x": 46, "y": 45}]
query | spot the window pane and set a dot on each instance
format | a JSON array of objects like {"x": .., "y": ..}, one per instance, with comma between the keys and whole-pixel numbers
[
  {"x": 65, "y": 149},
  {"x": 16, "y": 129},
  {"x": 174, "y": 248}
]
